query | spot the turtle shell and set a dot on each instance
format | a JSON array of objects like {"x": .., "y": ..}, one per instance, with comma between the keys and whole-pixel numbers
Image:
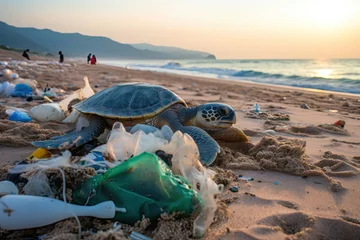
[{"x": 129, "y": 101}]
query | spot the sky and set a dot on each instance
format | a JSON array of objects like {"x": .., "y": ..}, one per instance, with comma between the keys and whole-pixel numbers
[{"x": 230, "y": 29}]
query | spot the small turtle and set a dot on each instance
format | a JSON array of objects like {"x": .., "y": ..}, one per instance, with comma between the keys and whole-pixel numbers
[{"x": 135, "y": 103}]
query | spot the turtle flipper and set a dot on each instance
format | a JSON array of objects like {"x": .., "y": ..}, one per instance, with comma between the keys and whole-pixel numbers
[
  {"x": 232, "y": 134},
  {"x": 208, "y": 147},
  {"x": 95, "y": 129}
]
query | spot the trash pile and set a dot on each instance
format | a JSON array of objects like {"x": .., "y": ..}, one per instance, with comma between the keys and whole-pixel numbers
[{"x": 144, "y": 173}]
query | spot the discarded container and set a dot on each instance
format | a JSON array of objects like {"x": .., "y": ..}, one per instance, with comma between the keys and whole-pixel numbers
[
  {"x": 7, "y": 187},
  {"x": 19, "y": 116},
  {"x": 255, "y": 108},
  {"x": 47, "y": 112},
  {"x": 40, "y": 153},
  {"x": 18, "y": 211},
  {"x": 145, "y": 186}
]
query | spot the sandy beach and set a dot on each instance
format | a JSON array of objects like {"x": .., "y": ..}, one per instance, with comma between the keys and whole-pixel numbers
[{"x": 305, "y": 175}]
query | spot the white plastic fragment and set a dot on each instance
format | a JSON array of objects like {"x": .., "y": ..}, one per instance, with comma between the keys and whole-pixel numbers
[
  {"x": 7, "y": 187},
  {"x": 47, "y": 112},
  {"x": 82, "y": 93},
  {"x": 60, "y": 161}
]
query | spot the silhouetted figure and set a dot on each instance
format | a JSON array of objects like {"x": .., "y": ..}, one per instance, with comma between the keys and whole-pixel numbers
[
  {"x": 61, "y": 57},
  {"x": 93, "y": 60},
  {"x": 25, "y": 55},
  {"x": 89, "y": 58}
]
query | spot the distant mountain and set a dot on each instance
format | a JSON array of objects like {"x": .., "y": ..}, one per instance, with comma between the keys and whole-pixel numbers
[
  {"x": 78, "y": 45},
  {"x": 173, "y": 51},
  {"x": 10, "y": 37}
]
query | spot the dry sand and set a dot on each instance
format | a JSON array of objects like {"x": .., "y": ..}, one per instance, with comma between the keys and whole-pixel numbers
[{"x": 306, "y": 177}]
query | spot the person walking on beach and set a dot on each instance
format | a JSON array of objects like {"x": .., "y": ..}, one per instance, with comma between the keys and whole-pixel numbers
[
  {"x": 89, "y": 58},
  {"x": 25, "y": 55},
  {"x": 61, "y": 60},
  {"x": 93, "y": 60}
]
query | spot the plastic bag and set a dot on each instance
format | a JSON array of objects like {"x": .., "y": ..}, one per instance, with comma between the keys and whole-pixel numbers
[
  {"x": 38, "y": 185},
  {"x": 19, "y": 116},
  {"x": 22, "y": 90},
  {"x": 144, "y": 186},
  {"x": 60, "y": 161},
  {"x": 47, "y": 112},
  {"x": 185, "y": 162}
]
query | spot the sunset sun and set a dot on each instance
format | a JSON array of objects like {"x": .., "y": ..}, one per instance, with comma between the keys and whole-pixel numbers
[{"x": 329, "y": 13}]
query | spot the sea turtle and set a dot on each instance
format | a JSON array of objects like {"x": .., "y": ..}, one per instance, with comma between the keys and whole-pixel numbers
[{"x": 134, "y": 103}]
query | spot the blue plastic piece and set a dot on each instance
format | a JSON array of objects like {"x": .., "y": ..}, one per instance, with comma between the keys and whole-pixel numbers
[
  {"x": 246, "y": 178},
  {"x": 19, "y": 116},
  {"x": 234, "y": 189},
  {"x": 22, "y": 90}
]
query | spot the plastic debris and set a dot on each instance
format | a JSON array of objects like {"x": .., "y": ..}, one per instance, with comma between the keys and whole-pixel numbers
[
  {"x": 165, "y": 132},
  {"x": 304, "y": 106},
  {"x": 56, "y": 112},
  {"x": 60, "y": 161},
  {"x": 255, "y": 108},
  {"x": 145, "y": 186},
  {"x": 47, "y": 112},
  {"x": 18, "y": 211},
  {"x": 122, "y": 145},
  {"x": 6, "y": 89},
  {"x": 234, "y": 189},
  {"x": 38, "y": 185},
  {"x": 340, "y": 123},
  {"x": 40, "y": 153},
  {"x": 13, "y": 76},
  {"x": 271, "y": 132},
  {"x": 22, "y": 90},
  {"x": 19, "y": 116},
  {"x": 246, "y": 178},
  {"x": 7, "y": 187},
  {"x": 95, "y": 160},
  {"x": 82, "y": 93},
  {"x": 138, "y": 236},
  {"x": 333, "y": 111}
]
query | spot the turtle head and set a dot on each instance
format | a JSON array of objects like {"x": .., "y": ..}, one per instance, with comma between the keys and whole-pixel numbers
[{"x": 214, "y": 115}]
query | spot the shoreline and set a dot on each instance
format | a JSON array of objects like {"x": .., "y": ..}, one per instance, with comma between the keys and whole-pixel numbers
[{"x": 246, "y": 82}]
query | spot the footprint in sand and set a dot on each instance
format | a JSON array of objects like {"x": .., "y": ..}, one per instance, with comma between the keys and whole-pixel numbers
[{"x": 298, "y": 226}]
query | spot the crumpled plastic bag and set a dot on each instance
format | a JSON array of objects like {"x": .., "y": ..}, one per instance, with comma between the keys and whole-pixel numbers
[
  {"x": 144, "y": 186},
  {"x": 185, "y": 162},
  {"x": 60, "y": 161},
  {"x": 38, "y": 185}
]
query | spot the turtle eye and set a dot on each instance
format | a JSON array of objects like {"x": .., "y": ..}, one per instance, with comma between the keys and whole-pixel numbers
[{"x": 223, "y": 111}]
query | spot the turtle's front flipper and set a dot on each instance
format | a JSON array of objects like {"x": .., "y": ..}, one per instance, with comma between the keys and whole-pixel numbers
[
  {"x": 208, "y": 147},
  {"x": 95, "y": 129},
  {"x": 231, "y": 134}
]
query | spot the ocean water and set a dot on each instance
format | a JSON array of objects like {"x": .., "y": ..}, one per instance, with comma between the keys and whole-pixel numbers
[{"x": 339, "y": 75}]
